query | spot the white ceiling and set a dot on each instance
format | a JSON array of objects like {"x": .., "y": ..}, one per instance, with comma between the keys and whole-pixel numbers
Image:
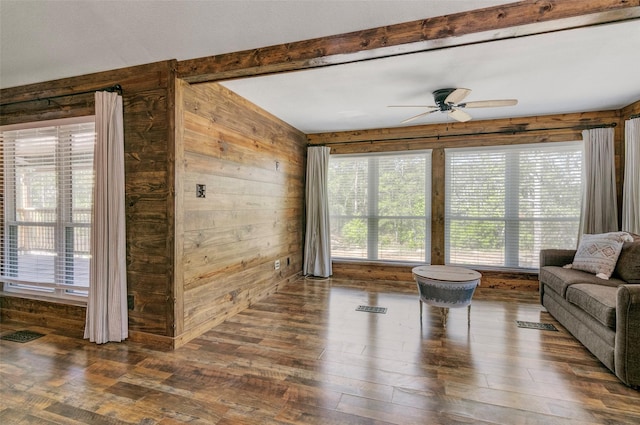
[{"x": 569, "y": 71}]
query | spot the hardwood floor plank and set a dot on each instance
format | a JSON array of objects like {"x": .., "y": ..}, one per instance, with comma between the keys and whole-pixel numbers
[
  {"x": 389, "y": 412},
  {"x": 566, "y": 391},
  {"x": 303, "y": 414},
  {"x": 176, "y": 406},
  {"x": 470, "y": 411},
  {"x": 304, "y": 355},
  {"x": 339, "y": 385},
  {"x": 548, "y": 406},
  {"x": 18, "y": 417},
  {"x": 82, "y": 415}
]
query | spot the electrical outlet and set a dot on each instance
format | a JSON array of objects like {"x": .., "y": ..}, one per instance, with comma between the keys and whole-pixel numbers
[{"x": 276, "y": 265}]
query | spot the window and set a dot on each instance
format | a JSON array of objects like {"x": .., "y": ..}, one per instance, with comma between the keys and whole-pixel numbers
[
  {"x": 47, "y": 181},
  {"x": 380, "y": 206},
  {"x": 504, "y": 204}
]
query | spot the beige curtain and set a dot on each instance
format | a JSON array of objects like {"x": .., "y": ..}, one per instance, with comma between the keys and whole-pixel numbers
[
  {"x": 317, "y": 244},
  {"x": 631, "y": 191},
  {"x": 599, "y": 207},
  {"x": 107, "y": 303}
]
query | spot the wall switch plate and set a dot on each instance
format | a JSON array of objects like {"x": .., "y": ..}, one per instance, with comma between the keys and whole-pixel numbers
[
  {"x": 276, "y": 265},
  {"x": 201, "y": 191}
]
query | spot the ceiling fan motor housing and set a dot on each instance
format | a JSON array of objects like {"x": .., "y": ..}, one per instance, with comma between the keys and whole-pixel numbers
[{"x": 440, "y": 95}]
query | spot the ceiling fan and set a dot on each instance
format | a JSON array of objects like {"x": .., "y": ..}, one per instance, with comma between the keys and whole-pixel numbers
[{"x": 450, "y": 101}]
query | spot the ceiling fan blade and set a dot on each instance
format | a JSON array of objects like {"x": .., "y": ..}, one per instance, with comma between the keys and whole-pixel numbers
[
  {"x": 489, "y": 103},
  {"x": 457, "y": 96},
  {"x": 459, "y": 115},
  {"x": 418, "y": 116},
  {"x": 412, "y": 106}
]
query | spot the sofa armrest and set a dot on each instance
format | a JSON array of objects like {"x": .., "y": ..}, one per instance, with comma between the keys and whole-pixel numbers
[
  {"x": 627, "y": 345},
  {"x": 556, "y": 257}
]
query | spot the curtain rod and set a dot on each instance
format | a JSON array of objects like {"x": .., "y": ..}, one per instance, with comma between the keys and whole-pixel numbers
[
  {"x": 634, "y": 116},
  {"x": 115, "y": 88},
  {"x": 483, "y": 133}
]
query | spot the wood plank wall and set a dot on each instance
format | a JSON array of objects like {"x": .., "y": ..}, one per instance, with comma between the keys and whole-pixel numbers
[
  {"x": 253, "y": 167},
  {"x": 148, "y": 100},
  {"x": 544, "y": 129},
  {"x": 628, "y": 111}
]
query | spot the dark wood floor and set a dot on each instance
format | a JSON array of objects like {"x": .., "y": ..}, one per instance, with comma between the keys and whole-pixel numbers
[{"x": 306, "y": 356}]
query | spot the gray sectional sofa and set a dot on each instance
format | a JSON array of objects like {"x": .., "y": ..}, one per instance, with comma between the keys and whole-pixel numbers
[{"x": 604, "y": 315}]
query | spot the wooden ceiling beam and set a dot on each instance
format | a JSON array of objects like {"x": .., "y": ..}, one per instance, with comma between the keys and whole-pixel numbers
[
  {"x": 544, "y": 123},
  {"x": 512, "y": 20}
]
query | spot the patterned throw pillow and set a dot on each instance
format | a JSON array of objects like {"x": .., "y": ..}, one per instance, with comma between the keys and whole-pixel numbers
[{"x": 599, "y": 253}]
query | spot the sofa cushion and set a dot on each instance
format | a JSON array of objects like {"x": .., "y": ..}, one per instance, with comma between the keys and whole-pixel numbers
[
  {"x": 597, "y": 300},
  {"x": 598, "y": 254},
  {"x": 559, "y": 279},
  {"x": 628, "y": 266}
]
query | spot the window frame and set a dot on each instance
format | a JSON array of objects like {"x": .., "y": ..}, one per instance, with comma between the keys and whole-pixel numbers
[
  {"x": 373, "y": 217},
  {"x": 511, "y": 217},
  {"x": 62, "y": 288}
]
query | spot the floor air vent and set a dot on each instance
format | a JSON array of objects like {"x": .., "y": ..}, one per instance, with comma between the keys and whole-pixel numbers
[
  {"x": 369, "y": 309},
  {"x": 536, "y": 325},
  {"x": 22, "y": 336}
]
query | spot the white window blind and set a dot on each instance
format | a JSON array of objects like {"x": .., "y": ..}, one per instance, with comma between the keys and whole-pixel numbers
[
  {"x": 504, "y": 204},
  {"x": 380, "y": 206},
  {"x": 47, "y": 181}
]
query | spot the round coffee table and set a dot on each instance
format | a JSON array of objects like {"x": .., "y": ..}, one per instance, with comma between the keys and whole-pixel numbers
[{"x": 446, "y": 287}]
